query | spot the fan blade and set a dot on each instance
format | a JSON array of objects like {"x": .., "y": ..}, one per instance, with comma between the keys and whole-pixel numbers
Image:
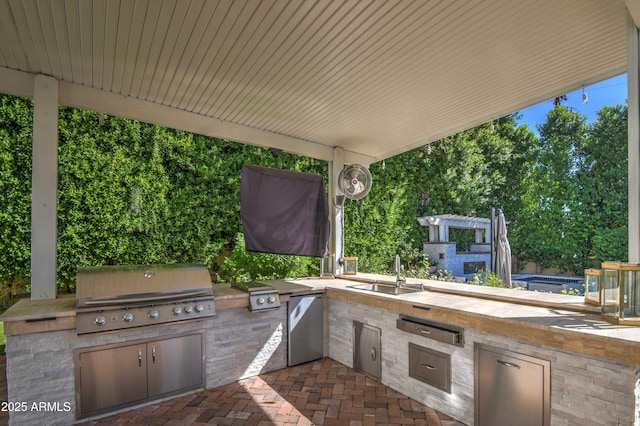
[{"x": 357, "y": 187}]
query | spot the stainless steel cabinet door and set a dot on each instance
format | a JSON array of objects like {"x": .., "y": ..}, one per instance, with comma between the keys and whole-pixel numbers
[
  {"x": 175, "y": 364},
  {"x": 511, "y": 386},
  {"x": 366, "y": 350},
  {"x": 306, "y": 328},
  {"x": 111, "y": 377}
]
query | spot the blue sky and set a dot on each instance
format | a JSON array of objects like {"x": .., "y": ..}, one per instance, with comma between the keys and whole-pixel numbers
[{"x": 608, "y": 92}]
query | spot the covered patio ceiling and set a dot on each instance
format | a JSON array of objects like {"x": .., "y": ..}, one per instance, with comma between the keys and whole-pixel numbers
[{"x": 373, "y": 77}]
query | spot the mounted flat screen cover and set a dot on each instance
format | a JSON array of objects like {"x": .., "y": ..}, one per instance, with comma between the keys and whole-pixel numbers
[{"x": 284, "y": 212}]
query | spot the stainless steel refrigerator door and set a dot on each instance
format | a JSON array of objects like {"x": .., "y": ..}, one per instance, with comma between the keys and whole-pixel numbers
[{"x": 306, "y": 328}]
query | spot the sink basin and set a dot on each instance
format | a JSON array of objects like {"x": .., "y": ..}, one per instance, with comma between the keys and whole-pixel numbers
[{"x": 385, "y": 288}]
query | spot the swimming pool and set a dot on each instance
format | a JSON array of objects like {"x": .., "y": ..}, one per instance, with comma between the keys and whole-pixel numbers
[{"x": 549, "y": 284}]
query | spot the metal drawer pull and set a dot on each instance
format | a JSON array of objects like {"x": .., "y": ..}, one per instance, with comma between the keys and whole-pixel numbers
[
  {"x": 420, "y": 330},
  {"x": 508, "y": 364},
  {"x": 373, "y": 354},
  {"x": 139, "y": 357},
  {"x": 429, "y": 367},
  {"x": 153, "y": 354}
]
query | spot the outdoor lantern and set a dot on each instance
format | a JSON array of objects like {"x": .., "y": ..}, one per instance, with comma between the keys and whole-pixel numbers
[
  {"x": 593, "y": 287},
  {"x": 621, "y": 293},
  {"x": 326, "y": 266},
  {"x": 350, "y": 266}
]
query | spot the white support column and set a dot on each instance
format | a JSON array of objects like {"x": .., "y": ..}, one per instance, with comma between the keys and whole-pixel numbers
[
  {"x": 434, "y": 234},
  {"x": 336, "y": 217},
  {"x": 444, "y": 233},
  {"x": 633, "y": 71},
  {"x": 44, "y": 189}
]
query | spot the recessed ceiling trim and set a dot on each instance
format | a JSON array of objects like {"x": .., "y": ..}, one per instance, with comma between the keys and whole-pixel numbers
[{"x": 127, "y": 107}]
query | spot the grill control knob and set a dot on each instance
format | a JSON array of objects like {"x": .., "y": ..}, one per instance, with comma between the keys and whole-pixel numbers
[
  {"x": 260, "y": 301},
  {"x": 177, "y": 310},
  {"x": 271, "y": 299},
  {"x": 188, "y": 309},
  {"x": 128, "y": 317},
  {"x": 100, "y": 320},
  {"x": 154, "y": 314},
  {"x": 199, "y": 308}
]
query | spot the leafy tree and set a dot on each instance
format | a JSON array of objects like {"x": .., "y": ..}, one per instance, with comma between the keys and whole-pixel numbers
[
  {"x": 549, "y": 228},
  {"x": 602, "y": 177},
  {"x": 464, "y": 174}
]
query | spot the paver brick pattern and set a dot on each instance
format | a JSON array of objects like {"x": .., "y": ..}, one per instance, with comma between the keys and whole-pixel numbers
[{"x": 322, "y": 392}]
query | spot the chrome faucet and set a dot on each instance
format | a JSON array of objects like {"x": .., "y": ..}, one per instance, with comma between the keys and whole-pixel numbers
[{"x": 397, "y": 267}]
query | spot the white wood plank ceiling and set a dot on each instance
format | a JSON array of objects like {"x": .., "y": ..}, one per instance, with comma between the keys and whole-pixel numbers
[{"x": 375, "y": 77}]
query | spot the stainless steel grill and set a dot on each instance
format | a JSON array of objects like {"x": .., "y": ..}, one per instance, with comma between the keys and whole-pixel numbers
[{"x": 119, "y": 297}]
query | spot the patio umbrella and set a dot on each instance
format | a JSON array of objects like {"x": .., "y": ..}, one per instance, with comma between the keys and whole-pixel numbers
[{"x": 503, "y": 250}]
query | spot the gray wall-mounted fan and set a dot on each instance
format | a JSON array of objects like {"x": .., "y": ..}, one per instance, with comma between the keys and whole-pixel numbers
[{"x": 355, "y": 181}]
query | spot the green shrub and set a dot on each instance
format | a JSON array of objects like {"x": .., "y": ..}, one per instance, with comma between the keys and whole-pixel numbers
[
  {"x": 487, "y": 278},
  {"x": 241, "y": 265}
]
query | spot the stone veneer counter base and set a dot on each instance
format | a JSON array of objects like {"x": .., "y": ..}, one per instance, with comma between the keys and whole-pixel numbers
[{"x": 41, "y": 338}]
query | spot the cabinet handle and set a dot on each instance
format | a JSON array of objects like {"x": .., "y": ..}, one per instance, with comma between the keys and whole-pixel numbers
[
  {"x": 373, "y": 354},
  {"x": 139, "y": 357},
  {"x": 420, "y": 330},
  {"x": 153, "y": 354},
  {"x": 508, "y": 364},
  {"x": 429, "y": 367}
]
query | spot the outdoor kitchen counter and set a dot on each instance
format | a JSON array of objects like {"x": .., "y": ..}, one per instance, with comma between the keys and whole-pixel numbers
[
  {"x": 36, "y": 316},
  {"x": 553, "y": 320},
  {"x": 556, "y": 321}
]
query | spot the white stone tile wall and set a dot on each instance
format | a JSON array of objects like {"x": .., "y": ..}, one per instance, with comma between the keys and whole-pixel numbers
[
  {"x": 40, "y": 366},
  {"x": 243, "y": 344},
  {"x": 585, "y": 391},
  {"x": 40, "y": 369}
]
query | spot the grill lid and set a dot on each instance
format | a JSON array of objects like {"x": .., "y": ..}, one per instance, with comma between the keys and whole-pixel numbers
[{"x": 130, "y": 284}]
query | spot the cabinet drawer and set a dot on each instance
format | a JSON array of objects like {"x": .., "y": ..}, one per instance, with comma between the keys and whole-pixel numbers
[
  {"x": 437, "y": 331},
  {"x": 431, "y": 367}
]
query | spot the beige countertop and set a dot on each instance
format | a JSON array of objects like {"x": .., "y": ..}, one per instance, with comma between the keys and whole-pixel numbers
[
  {"x": 34, "y": 310},
  {"x": 559, "y": 321}
]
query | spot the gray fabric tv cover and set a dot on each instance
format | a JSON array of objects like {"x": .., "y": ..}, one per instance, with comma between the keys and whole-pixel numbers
[{"x": 284, "y": 212}]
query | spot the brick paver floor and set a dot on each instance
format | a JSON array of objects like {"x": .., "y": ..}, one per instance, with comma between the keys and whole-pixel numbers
[{"x": 323, "y": 392}]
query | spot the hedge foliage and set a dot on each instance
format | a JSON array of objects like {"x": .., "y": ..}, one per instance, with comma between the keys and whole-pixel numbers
[
  {"x": 132, "y": 192},
  {"x": 16, "y": 118}
]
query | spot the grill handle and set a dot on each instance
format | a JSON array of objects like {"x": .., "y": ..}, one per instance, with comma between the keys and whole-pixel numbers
[{"x": 145, "y": 298}]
